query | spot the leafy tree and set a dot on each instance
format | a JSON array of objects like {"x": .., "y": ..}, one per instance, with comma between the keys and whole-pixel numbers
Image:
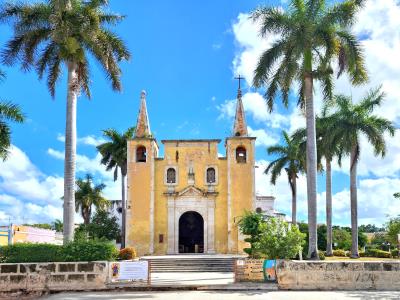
[
  {"x": 355, "y": 120},
  {"x": 114, "y": 156},
  {"x": 54, "y": 34},
  {"x": 393, "y": 229},
  {"x": 370, "y": 228},
  {"x": 396, "y": 195},
  {"x": 279, "y": 240},
  {"x": 101, "y": 226},
  {"x": 251, "y": 224},
  {"x": 290, "y": 159},
  {"x": 341, "y": 238},
  {"x": 41, "y": 226},
  {"x": 8, "y": 112},
  {"x": 87, "y": 196},
  {"x": 312, "y": 36}
]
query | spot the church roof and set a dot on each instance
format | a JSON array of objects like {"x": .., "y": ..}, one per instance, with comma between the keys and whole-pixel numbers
[
  {"x": 240, "y": 126},
  {"x": 143, "y": 125}
]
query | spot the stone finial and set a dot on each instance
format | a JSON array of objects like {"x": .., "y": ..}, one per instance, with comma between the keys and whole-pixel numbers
[
  {"x": 142, "y": 125},
  {"x": 240, "y": 126}
]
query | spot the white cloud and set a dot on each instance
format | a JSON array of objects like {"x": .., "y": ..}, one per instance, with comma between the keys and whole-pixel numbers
[
  {"x": 263, "y": 138},
  {"x": 89, "y": 140}
]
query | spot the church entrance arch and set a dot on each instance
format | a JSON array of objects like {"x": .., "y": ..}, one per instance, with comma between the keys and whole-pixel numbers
[{"x": 191, "y": 233}]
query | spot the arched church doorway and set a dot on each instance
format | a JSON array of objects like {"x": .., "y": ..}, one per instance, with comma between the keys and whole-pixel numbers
[{"x": 191, "y": 233}]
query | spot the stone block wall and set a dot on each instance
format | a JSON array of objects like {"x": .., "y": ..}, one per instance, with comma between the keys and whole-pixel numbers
[
  {"x": 53, "y": 276},
  {"x": 338, "y": 275},
  {"x": 249, "y": 270}
]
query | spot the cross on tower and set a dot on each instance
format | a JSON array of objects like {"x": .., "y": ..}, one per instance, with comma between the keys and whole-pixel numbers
[{"x": 239, "y": 78}]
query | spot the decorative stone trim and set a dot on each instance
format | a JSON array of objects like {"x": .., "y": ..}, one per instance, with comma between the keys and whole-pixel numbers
[
  {"x": 215, "y": 167},
  {"x": 176, "y": 175}
]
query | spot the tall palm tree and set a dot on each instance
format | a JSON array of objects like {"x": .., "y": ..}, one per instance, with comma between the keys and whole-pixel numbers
[
  {"x": 114, "y": 155},
  {"x": 87, "y": 196},
  {"x": 290, "y": 158},
  {"x": 54, "y": 34},
  {"x": 311, "y": 36},
  {"x": 327, "y": 151},
  {"x": 354, "y": 121},
  {"x": 8, "y": 112}
]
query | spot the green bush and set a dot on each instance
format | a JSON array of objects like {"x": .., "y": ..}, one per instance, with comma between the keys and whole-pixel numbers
[
  {"x": 339, "y": 252},
  {"x": 378, "y": 253},
  {"x": 395, "y": 252},
  {"x": 321, "y": 255},
  {"x": 89, "y": 251},
  {"x": 75, "y": 251},
  {"x": 26, "y": 252}
]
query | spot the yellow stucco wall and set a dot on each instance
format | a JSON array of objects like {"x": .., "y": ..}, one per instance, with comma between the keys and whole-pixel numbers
[{"x": 200, "y": 154}]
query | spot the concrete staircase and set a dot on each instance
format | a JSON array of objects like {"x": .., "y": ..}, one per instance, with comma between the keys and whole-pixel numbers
[{"x": 191, "y": 264}]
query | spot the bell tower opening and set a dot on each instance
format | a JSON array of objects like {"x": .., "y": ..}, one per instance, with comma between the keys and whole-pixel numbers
[{"x": 191, "y": 233}]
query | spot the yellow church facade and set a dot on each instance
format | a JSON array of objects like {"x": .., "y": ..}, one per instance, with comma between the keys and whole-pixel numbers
[{"x": 190, "y": 200}]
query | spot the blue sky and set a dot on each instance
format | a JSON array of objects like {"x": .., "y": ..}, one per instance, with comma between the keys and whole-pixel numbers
[{"x": 185, "y": 54}]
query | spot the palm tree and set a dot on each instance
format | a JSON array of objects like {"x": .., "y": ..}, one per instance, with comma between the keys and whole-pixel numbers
[
  {"x": 291, "y": 159},
  {"x": 312, "y": 36},
  {"x": 8, "y": 112},
  {"x": 396, "y": 195},
  {"x": 54, "y": 34},
  {"x": 58, "y": 225},
  {"x": 353, "y": 121},
  {"x": 87, "y": 196},
  {"x": 324, "y": 125},
  {"x": 115, "y": 157}
]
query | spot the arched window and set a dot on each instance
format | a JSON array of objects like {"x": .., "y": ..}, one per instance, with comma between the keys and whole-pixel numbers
[
  {"x": 141, "y": 154},
  {"x": 210, "y": 175},
  {"x": 241, "y": 154},
  {"x": 171, "y": 175}
]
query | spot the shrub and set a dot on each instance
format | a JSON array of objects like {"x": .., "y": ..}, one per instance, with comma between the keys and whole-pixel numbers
[
  {"x": 339, "y": 252},
  {"x": 321, "y": 255},
  {"x": 127, "y": 253},
  {"x": 74, "y": 251},
  {"x": 250, "y": 224},
  {"x": 89, "y": 251},
  {"x": 395, "y": 252},
  {"x": 26, "y": 252},
  {"x": 383, "y": 254},
  {"x": 362, "y": 254}
]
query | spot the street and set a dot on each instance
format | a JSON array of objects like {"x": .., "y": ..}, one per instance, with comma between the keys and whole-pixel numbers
[{"x": 228, "y": 295}]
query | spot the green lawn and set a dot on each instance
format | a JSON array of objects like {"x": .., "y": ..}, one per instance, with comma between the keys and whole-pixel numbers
[{"x": 332, "y": 258}]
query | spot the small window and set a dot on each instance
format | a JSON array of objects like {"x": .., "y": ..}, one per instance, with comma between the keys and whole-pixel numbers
[
  {"x": 141, "y": 154},
  {"x": 241, "y": 154},
  {"x": 210, "y": 175},
  {"x": 171, "y": 175}
]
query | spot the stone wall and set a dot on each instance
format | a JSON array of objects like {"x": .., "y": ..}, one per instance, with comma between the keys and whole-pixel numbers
[
  {"x": 249, "y": 270},
  {"x": 338, "y": 275},
  {"x": 53, "y": 276}
]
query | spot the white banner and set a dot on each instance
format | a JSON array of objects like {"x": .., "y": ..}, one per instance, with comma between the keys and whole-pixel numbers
[{"x": 130, "y": 270}]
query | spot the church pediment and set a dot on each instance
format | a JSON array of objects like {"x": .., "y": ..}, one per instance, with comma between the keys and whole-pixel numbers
[{"x": 191, "y": 191}]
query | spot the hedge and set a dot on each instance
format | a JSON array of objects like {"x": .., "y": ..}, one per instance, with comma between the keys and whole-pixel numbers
[
  {"x": 74, "y": 251},
  {"x": 339, "y": 252}
]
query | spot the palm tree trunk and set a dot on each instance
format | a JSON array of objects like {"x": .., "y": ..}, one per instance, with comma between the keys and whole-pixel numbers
[
  {"x": 353, "y": 202},
  {"x": 311, "y": 167},
  {"x": 294, "y": 200},
  {"x": 123, "y": 223},
  {"x": 329, "y": 240},
  {"x": 70, "y": 154}
]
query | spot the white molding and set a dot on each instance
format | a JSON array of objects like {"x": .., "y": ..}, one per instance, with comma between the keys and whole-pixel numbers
[{"x": 177, "y": 207}]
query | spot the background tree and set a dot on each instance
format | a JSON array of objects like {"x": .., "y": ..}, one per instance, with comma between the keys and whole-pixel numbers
[
  {"x": 52, "y": 34},
  {"x": 355, "y": 120},
  {"x": 393, "y": 230},
  {"x": 114, "y": 156},
  {"x": 58, "y": 225},
  {"x": 88, "y": 195},
  {"x": 396, "y": 195},
  {"x": 102, "y": 226},
  {"x": 312, "y": 35},
  {"x": 8, "y": 113},
  {"x": 291, "y": 159}
]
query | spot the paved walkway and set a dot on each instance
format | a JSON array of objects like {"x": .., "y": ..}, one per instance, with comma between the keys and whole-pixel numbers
[
  {"x": 191, "y": 279},
  {"x": 223, "y": 295}
]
